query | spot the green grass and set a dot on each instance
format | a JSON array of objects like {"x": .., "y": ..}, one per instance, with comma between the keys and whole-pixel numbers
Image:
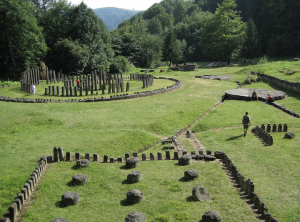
[
  {"x": 167, "y": 194},
  {"x": 29, "y": 131}
]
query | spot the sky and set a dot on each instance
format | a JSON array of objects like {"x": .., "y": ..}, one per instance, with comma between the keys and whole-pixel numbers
[{"x": 138, "y": 5}]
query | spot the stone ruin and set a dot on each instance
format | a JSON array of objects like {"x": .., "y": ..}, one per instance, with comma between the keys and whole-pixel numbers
[
  {"x": 199, "y": 193},
  {"x": 70, "y": 198},
  {"x": 134, "y": 196},
  {"x": 135, "y": 217}
]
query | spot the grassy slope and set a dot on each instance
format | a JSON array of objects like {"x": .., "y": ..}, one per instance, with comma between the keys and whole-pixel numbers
[{"x": 31, "y": 130}]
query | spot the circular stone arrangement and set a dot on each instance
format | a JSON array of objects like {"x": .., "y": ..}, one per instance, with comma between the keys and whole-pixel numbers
[{"x": 246, "y": 94}]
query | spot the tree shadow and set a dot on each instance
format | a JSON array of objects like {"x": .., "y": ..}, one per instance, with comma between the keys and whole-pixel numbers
[{"x": 235, "y": 137}]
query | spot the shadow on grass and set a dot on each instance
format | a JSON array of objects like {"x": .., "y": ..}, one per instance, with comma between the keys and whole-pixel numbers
[
  {"x": 125, "y": 203},
  {"x": 124, "y": 167},
  {"x": 71, "y": 184},
  {"x": 182, "y": 179},
  {"x": 60, "y": 205},
  {"x": 235, "y": 137},
  {"x": 125, "y": 182},
  {"x": 75, "y": 167},
  {"x": 189, "y": 199}
]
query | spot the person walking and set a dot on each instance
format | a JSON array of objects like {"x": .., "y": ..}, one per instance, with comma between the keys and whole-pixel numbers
[
  {"x": 246, "y": 123},
  {"x": 33, "y": 89}
]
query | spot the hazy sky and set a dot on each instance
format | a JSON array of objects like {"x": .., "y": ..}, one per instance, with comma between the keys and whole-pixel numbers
[{"x": 126, "y": 4}]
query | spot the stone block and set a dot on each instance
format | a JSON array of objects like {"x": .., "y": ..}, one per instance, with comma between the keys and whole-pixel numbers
[
  {"x": 191, "y": 174},
  {"x": 185, "y": 160},
  {"x": 83, "y": 163},
  {"x": 70, "y": 198},
  {"x": 79, "y": 179},
  {"x": 199, "y": 193},
  {"x": 132, "y": 162},
  {"x": 134, "y": 177},
  {"x": 135, "y": 216},
  {"x": 135, "y": 196},
  {"x": 211, "y": 216}
]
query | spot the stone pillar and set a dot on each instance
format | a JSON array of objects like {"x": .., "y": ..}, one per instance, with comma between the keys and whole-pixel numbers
[
  {"x": 279, "y": 127},
  {"x": 50, "y": 90},
  {"x": 111, "y": 160},
  {"x": 152, "y": 156},
  {"x": 77, "y": 156},
  {"x": 75, "y": 90},
  {"x": 270, "y": 141},
  {"x": 263, "y": 126},
  {"x": 184, "y": 153},
  {"x": 274, "y": 128},
  {"x": 87, "y": 156},
  {"x": 285, "y": 127},
  {"x": 127, "y": 86},
  {"x": 175, "y": 155},
  {"x": 67, "y": 91},
  {"x": 95, "y": 157},
  {"x": 268, "y": 128},
  {"x": 135, "y": 154},
  {"x": 80, "y": 91},
  {"x": 103, "y": 89},
  {"x": 61, "y": 154},
  {"x": 57, "y": 90},
  {"x": 105, "y": 159},
  {"x": 168, "y": 155},
  {"x": 144, "y": 156},
  {"x": 159, "y": 156},
  {"x": 68, "y": 156},
  {"x": 62, "y": 91},
  {"x": 126, "y": 156},
  {"x": 120, "y": 160},
  {"x": 55, "y": 154},
  {"x": 86, "y": 91},
  {"x": 46, "y": 91},
  {"x": 71, "y": 91},
  {"x": 53, "y": 90}
]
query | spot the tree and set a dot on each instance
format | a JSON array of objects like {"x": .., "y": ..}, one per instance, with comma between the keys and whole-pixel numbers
[
  {"x": 224, "y": 34},
  {"x": 250, "y": 49},
  {"x": 151, "y": 51},
  {"x": 22, "y": 44},
  {"x": 70, "y": 56},
  {"x": 154, "y": 26},
  {"x": 179, "y": 11},
  {"x": 120, "y": 64}
]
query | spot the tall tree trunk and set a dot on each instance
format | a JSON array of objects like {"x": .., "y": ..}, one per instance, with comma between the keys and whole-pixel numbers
[{"x": 9, "y": 44}]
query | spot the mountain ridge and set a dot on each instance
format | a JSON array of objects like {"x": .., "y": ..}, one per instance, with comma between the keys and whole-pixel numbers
[{"x": 112, "y": 16}]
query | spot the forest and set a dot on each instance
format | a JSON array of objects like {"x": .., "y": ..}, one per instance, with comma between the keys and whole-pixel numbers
[{"x": 73, "y": 39}]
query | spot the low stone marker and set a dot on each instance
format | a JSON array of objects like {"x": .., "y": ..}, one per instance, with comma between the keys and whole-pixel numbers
[
  {"x": 134, "y": 177},
  {"x": 135, "y": 217},
  {"x": 70, "y": 198},
  {"x": 132, "y": 162},
  {"x": 211, "y": 216},
  {"x": 135, "y": 196},
  {"x": 199, "y": 193},
  {"x": 219, "y": 154},
  {"x": 83, "y": 163},
  {"x": 191, "y": 174},
  {"x": 209, "y": 157},
  {"x": 185, "y": 160},
  {"x": 60, "y": 219},
  {"x": 79, "y": 179},
  {"x": 289, "y": 135}
]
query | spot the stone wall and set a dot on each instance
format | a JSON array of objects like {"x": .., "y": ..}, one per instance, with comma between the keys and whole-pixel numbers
[{"x": 293, "y": 86}]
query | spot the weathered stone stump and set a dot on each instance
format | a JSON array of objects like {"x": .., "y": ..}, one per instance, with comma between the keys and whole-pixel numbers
[
  {"x": 289, "y": 135},
  {"x": 168, "y": 155},
  {"x": 135, "y": 196},
  {"x": 199, "y": 193},
  {"x": 159, "y": 156},
  {"x": 279, "y": 127},
  {"x": 134, "y": 177},
  {"x": 209, "y": 158},
  {"x": 135, "y": 217},
  {"x": 60, "y": 219},
  {"x": 285, "y": 127},
  {"x": 132, "y": 162},
  {"x": 79, "y": 179},
  {"x": 211, "y": 216},
  {"x": 105, "y": 158},
  {"x": 83, "y": 163},
  {"x": 61, "y": 154},
  {"x": 144, "y": 156},
  {"x": 68, "y": 156},
  {"x": 191, "y": 174},
  {"x": 70, "y": 198},
  {"x": 77, "y": 156},
  {"x": 152, "y": 156},
  {"x": 175, "y": 155},
  {"x": 185, "y": 160},
  {"x": 95, "y": 157}
]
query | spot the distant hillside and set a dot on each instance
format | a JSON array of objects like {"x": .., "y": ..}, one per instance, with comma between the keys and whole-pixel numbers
[{"x": 112, "y": 16}]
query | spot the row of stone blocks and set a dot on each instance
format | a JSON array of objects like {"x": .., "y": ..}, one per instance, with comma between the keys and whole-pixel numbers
[
  {"x": 25, "y": 194},
  {"x": 58, "y": 155},
  {"x": 275, "y": 128},
  {"x": 177, "y": 85},
  {"x": 246, "y": 186},
  {"x": 264, "y": 135}
]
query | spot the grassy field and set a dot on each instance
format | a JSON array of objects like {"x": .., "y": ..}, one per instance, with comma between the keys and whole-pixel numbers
[{"x": 30, "y": 131}]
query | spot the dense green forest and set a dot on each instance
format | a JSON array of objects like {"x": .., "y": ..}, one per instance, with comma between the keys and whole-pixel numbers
[
  {"x": 73, "y": 39},
  {"x": 112, "y": 16}
]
